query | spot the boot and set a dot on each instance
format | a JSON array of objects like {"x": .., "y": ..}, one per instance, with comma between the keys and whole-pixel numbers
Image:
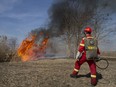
[
  {"x": 74, "y": 74},
  {"x": 93, "y": 81}
]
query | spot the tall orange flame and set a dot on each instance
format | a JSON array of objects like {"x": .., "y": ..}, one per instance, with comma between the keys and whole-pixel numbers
[
  {"x": 26, "y": 45},
  {"x": 28, "y": 48}
]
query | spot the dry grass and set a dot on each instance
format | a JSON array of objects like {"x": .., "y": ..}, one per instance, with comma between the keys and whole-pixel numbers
[
  {"x": 52, "y": 73},
  {"x": 109, "y": 53}
]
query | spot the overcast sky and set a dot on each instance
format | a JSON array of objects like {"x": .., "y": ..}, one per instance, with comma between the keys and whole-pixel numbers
[{"x": 18, "y": 17}]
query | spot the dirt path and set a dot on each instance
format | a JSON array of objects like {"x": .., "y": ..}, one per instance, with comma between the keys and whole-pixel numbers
[{"x": 52, "y": 73}]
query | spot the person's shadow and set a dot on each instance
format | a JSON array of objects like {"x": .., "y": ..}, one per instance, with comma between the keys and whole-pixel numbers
[{"x": 99, "y": 76}]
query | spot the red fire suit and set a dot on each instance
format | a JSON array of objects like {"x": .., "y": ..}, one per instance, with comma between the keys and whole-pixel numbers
[{"x": 83, "y": 59}]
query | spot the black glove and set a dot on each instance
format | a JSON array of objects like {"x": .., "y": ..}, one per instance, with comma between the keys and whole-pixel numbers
[{"x": 98, "y": 59}]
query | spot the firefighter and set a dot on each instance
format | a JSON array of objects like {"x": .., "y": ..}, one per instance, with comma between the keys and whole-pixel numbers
[{"x": 87, "y": 52}]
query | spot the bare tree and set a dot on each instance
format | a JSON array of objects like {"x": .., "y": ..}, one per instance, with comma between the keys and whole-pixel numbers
[
  {"x": 100, "y": 21},
  {"x": 70, "y": 16},
  {"x": 4, "y": 48},
  {"x": 8, "y": 49},
  {"x": 12, "y": 55}
]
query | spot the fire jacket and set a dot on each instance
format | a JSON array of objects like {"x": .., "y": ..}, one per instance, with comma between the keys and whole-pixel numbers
[{"x": 82, "y": 46}]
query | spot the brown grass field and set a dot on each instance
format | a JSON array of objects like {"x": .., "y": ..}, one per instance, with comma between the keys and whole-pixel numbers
[{"x": 52, "y": 73}]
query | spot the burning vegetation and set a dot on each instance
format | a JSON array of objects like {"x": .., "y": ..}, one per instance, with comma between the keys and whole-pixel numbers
[{"x": 31, "y": 49}]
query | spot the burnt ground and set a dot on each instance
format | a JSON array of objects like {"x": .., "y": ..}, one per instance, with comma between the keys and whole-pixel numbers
[{"x": 52, "y": 73}]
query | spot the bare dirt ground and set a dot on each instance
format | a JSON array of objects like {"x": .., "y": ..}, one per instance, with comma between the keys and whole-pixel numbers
[{"x": 52, "y": 73}]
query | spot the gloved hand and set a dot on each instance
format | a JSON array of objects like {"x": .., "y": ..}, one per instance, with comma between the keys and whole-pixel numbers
[
  {"x": 98, "y": 58},
  {"x": 78, "y": 56}
]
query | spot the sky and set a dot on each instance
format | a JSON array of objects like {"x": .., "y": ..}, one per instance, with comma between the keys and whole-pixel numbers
[{"x": 18, "y": 17}]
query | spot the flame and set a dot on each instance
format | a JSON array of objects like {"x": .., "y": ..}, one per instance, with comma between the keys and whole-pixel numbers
[
  {"x": 29, "y": 49},
  {"x": 26, "y": 45},
  {"x": 43, "y": 45}
]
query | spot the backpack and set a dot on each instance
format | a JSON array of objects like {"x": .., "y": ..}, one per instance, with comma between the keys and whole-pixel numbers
[{"x": 91, "y": 48}]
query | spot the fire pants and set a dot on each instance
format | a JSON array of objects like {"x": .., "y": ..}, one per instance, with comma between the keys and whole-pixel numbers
[{"x": 91, "y": 64}]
